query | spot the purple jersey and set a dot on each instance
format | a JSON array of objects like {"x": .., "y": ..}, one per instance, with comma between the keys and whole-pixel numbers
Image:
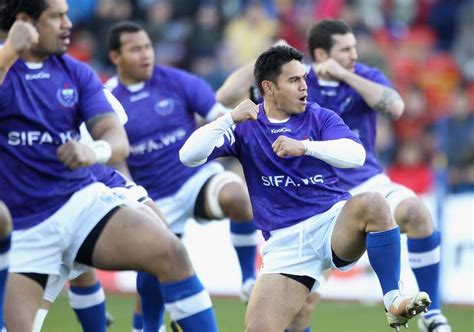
[
  {"x": 355, "y": 112},
  {"x": 160, "y": 120},
  {"x": 40, "y": 109},
  {"x": 285, "y": 191}
]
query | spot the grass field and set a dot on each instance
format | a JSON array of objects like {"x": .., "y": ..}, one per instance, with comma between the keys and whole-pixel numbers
[{"x": 330, "y": 316}]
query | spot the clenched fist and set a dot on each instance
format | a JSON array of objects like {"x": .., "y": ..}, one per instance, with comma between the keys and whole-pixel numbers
[
  {"x": 74, "y": 155},
  {"x": 287, "y": 147},
  {"x": 246, "y": 110},
  {"x": 21, "y": 37}
]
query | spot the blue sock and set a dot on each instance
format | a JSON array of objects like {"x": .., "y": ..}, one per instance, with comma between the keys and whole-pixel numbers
[
  {"x": 153, "y": 308},
  {"x": 89, "y": 305},
  {"x": 424, "y": 256},
  {"x": 308, "y": 329},
  {"x": 4, "y": 250},
  {"x": 244, "y": 238},
  {"x": 383, "y": 249},
  {"x": 137, "y": 322},
  {"x": 189, "y": 305}
]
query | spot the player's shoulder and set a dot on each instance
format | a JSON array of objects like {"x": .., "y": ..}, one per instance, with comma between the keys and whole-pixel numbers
[
  {"x": 72, "y": 62},
  {"x": 167, "y": 71},
  {"x": 317, "y": 111},
  {"x": 78, "y": 68},
  {"x": 366, "y": 71},
  {"x": 112, "y": 83}
]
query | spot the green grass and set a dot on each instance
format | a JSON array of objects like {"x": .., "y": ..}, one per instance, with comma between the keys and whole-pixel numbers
[{"x": 329, "y": 316}]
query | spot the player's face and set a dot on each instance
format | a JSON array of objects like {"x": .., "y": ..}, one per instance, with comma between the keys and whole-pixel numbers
[
  {"x": 136, "y": 58},
  {"x": 54, "y": 29},
  {"x": 344, "y": 50},
  {"x": 290, "y": 93}
]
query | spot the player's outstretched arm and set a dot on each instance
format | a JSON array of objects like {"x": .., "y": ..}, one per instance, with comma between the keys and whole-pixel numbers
[
  {"x": 21, "y": 37},
  {"x": 205, "y": 139}
]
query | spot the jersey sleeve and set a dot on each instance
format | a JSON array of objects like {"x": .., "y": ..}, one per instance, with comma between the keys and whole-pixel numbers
[
  {"x": 92, "y": 99},
  {"x": 199, "y": 95},
  {"x": 333, "y": 127},
  {"x": 375, "y": 75},
  {"x": 213, "y": 140}
]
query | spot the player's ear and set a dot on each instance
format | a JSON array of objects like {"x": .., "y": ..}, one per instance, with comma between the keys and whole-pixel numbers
[
  {"x": 267, "y": 88},
  {"x": 114, "y": 57},
  {"x": 320, "y": 55},
  {"x": 22, "y": 16}
]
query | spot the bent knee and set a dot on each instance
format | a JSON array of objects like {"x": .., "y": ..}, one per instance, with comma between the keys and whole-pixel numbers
[
  {"x": 374, "y": 209},
  {"x": 235, "y": 202},
  {"x": 413, "y": 217}
]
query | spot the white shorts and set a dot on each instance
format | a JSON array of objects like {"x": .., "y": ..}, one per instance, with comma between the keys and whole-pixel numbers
[
  {"x": 54, "y": 243},
  {"x": 179, "y": 207},
  {"x": 303, "y": 249},
  {"x": 134, "y": 194},
  {"x": 393, "y": 192},
  {"x": 134, "y": 197}
]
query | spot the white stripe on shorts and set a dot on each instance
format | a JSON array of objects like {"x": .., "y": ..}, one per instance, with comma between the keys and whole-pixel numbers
[
  {"x": 422, "y": 259},
  {"x": 85, "y": 301},
  {"x": 4, "y": 260},
  {"x": 244, "y": 240},
  {"x": 189, "y": 306}
]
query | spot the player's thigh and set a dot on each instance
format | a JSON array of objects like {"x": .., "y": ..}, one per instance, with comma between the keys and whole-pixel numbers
[
  {"x": 134, "y": 240},
  {"x": 5, "y": 220},
  {"x": 274, "y": 301},
  {"x": 23, "y": 299},
  {"x": 348, "y": 235}
]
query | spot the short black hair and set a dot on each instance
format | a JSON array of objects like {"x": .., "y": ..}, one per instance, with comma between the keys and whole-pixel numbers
[
  {"x": 10, "y": 8},
  {"x": 269, "y": 63},
  {"x": 116, "y": 32},
  {"x": 320, "y": 34}
]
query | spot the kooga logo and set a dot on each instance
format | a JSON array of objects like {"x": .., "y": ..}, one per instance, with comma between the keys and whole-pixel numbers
[{"x": 281, "y": 130}]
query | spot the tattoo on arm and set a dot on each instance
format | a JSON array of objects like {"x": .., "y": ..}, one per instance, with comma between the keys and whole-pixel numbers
[
  {"x": 388, "y": 97},
  {"x": 96, "y": 119}
]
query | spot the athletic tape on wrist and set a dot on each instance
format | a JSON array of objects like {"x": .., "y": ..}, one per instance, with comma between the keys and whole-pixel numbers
[{"x": 102, "y": 150}]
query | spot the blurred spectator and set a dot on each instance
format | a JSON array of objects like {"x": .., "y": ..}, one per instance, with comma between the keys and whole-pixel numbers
[
  {"x": 460, "y": 143},
  {"x": 415, "y": 118},
  {"x": 83, "y": 44},
  {"x": 169, "y": 36},
  {"x": 107, "y": 13},
  {"x": 250, "y": 34},
  {"x": 442, "y": 17},
  {"x": 411, "y": 167},
  {"x": 80, "y": 12},
  {"x": 463, "y": 43},
  {"x": 207, "y": 31}
]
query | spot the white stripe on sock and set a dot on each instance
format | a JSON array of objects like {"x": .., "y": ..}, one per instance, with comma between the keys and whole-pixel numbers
[
  {"x": 189, "y": 306},
  {"x": 86, "y": 301},
  {"x": 4, "y": 260},
  {"x": 39, "y": 320},
  {"x": 244, "y": 240},
  {"x": 422, "y": 259}
]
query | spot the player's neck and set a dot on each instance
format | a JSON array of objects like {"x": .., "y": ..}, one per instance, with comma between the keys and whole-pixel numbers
[
  {"x": 34, "y": 57},
  {"x": 129, "y": 82},
  {"x": 274, "y": 114}
]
